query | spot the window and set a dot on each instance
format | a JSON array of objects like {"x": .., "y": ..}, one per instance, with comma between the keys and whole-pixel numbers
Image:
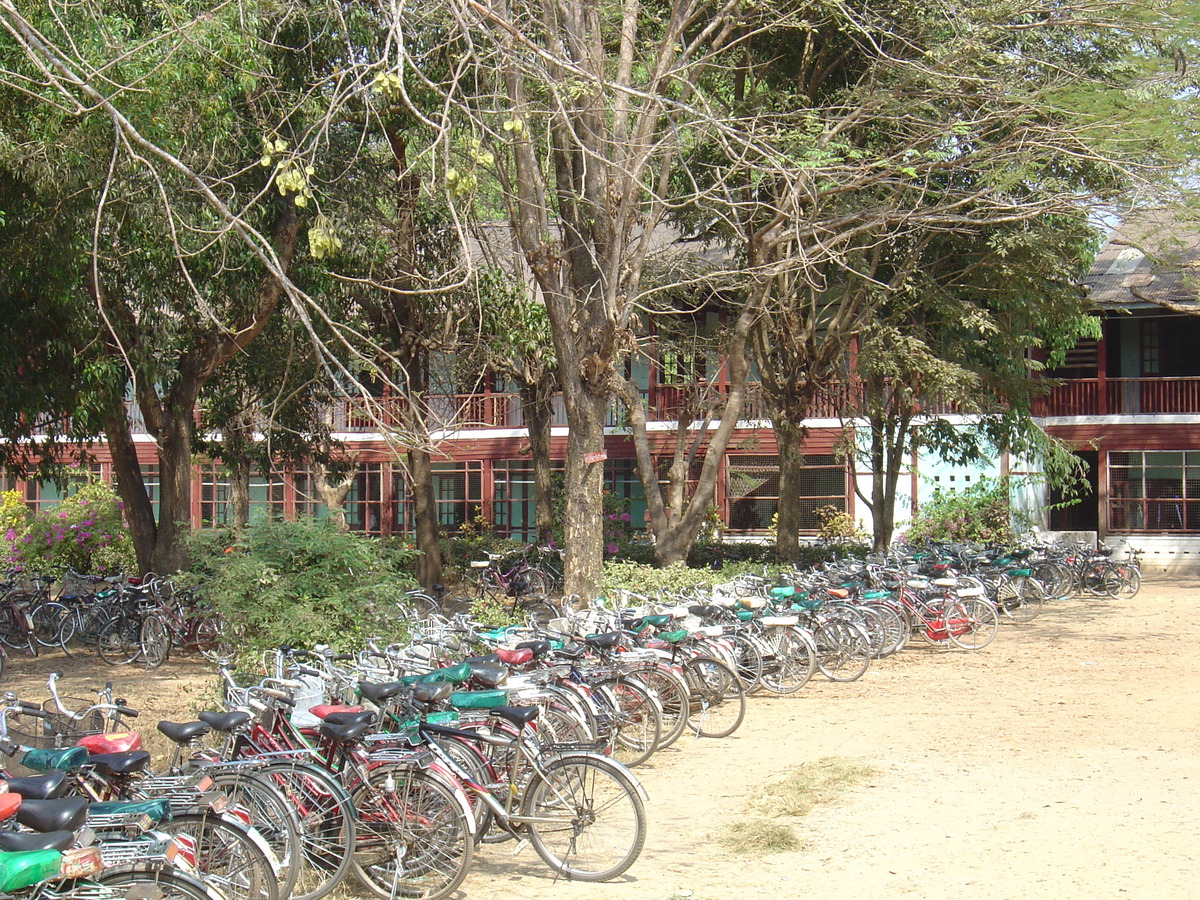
[
  {"x": 216, "y": 507},
  {"x": 1154, "y": 490},
  {"x": 214, "y": 495},
  {"x": 364, "y": 502},
  {"x": 308, "y": 501},
  {"x": 513, "y": 510},
  {"x": 752, "y": 490},
  {"x": 42, "y": 495},
  {"x": 457, "y": 490}
]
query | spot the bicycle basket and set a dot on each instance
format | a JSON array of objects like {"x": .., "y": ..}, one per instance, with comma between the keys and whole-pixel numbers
[{"x": 67, "y": 729}]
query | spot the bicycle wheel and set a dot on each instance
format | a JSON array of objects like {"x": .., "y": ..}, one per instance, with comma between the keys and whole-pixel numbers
[
  {"x": 164, "y": 883},
  {"x": 1131, "y": 581},
  {"x": 271, "y": 817},
  {"x": 637, "y": 724},
  {"x": 48, "y": 618},
  {"x": 16, "y": 628},
  {"x": 843, "y": 650},
  {"x": 749, "y": 662},
  {"x": 119, "y": 640},
  {"x": 1055, "y": 577},
  {"x": 971, "y": 623},
  {"x": 327, "y": 825},
  {"x": 1030, "y": 596},
  {"x": 671, "y": 691},
  {"x": 537, "y": 611},
  {"x": 789, "y": 661},
  {"x": 414, "y": 839},
  {"x": 537, "y": 585},
  {"x": 422, "y": 605},
  {"x": 227, "y": 856},
  {"x": 895, "y": 628},
  {"x": 586, "y": 817},
  {"x": 716, "y": 700},
  {"x": 79, "y": 632},
  {"x": 154, "y": 640}
]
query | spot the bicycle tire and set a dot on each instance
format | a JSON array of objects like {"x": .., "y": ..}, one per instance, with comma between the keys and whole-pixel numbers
[
  {"x": 537, "y": 611},
  {"x": 790, "y": 661},
  {"x": 1030, "y": 598},
  {"x": 637, "y": 726},
  {"x": 1131, "y": 581},
  {"x": 270, "y": 815},
  {"x": 971, "y": 623},
  {"x": 421, "y": 604},
  {"x": 169, "y": 884},
  {"x": 843, "y": 651},
  {"x": 78, "y": 634},
  {"x": 672, "y": 693},
  {"x": 588, "y": 822},
  {"x": 48, "y": 618},
  {"x": 119, "y": 641},
  {"x": 748, "y": 662},
  {"x": 154, "y": 639},
  {"x": 716, "y": 699},
  {"x": 414, "y": 839},
  {"x": 16, "y": 633},
  {"x": 327, "y": 825},
  {"x": 227, "y": 856}
]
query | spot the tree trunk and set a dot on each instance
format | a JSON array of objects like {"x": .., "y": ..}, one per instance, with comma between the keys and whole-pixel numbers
[
  {"x": 138, "y": 512},
  {"x": 887, "y": 458},
  {"x": 239, "y": 491},
  {"x": 425, "y": 519},
  {"x": 789, "y": 437},
  {"x": 537, "y": 408},
  {"x": 333, "y": 494},
  {"x": 674, "y": 532},
  {"x": 583, "y": 483},
  {"x": 175, "y": 492}
]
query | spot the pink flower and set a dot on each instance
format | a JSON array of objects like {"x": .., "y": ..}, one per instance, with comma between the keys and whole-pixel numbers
[{"x": 611, "y": 548}]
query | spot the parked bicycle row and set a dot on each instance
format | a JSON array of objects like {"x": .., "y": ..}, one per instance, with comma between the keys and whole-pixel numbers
[{"x": 393, "y": 764}]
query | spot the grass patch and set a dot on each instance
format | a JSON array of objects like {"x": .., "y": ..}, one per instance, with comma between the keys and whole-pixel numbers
[
  {"x": 760, "y": 837},
  {"x": 793, "y": 796},
  {"x": 807, "y": 786}
]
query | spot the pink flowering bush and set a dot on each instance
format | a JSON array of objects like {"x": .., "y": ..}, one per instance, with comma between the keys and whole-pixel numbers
[
  {"x": 85, "y": 531},
  {"x": 978, "y": 514}
]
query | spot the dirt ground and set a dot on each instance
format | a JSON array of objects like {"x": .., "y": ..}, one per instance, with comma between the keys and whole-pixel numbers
[{"x": 1061, "y": 761}]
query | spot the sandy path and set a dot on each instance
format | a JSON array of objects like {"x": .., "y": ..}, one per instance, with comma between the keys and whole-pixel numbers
[{"x": 1062, "y": 761}]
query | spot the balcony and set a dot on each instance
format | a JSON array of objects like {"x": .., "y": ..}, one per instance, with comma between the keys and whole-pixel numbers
[{"x": 1121, "y": 397}]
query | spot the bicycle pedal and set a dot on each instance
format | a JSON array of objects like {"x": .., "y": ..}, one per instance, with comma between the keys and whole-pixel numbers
[{"x": 521, "y": 845}]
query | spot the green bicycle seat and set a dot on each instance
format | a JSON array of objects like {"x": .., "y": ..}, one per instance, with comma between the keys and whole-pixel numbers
[
  {"x": 451, "y": 675},
  {"x": 673, "y": 637},
  {"x": 478, "y": 699},
  {"x": 783, "y": 591},
  {"x": 28, "y": 867},
  {"x": 68, "y": 759},
  {"x": 158, "y": 810}
]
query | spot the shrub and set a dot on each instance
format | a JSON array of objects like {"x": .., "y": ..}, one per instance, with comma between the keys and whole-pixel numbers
[
  {"x": 302, "y": 583},
  {"x": 85, "y": 532},
  {"x": 978, "y": 514}
]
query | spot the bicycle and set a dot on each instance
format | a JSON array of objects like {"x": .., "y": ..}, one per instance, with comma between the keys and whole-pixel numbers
[
  {"x": 527, "y": 585},
  {"x": 583, "y": 813}
]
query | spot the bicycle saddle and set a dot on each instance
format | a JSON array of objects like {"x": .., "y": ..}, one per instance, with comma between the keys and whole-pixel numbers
[{"x": 182, "y": 732}]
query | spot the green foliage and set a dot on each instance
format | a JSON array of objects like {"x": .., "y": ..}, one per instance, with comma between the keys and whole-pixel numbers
[
  {"x": 302, "y": 583},
  {"x": 839, "y": 527},
  {"x": 85, "y": 532},
  {"x": 494, "y": 611},
  {"x": 978, "y": 514}
]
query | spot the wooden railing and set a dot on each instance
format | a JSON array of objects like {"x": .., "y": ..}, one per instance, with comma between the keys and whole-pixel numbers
[
  {"x": 1121, "y": 397},
  {"x": 664, "y": 403}
]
